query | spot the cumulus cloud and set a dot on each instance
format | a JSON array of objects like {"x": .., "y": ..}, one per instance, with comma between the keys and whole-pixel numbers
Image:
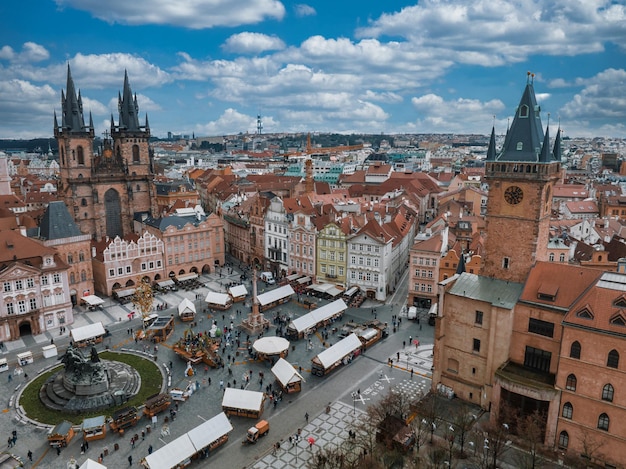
[
  {"x": 193, "y": 14},
  {"x": 302, "y": 10},
  {"x": 145, "y": 104},
  {"x": 31, "y": 52},
  {"x": 25, "y": 108},
  {"x": 231, "y": 121},
  {"x": 461, "y": 115},
  {"x": 603, "y": 96},
  {"x": 252, "y": 43},
  {"x": 498, "y": 32}
]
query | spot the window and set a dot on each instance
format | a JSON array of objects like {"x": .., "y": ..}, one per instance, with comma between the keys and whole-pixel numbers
[
  {"x": 570, "y": 383},
  {"x": 603, "y": 422},
  {"x": 537, "y": 326},
  {"x": 56, "y": 278},
  {"x": 111, "y": 273},
  {"x": 561, "y": 257},
  {"x": 143, "y": 266},
  {"x": 21, "y": 306},
  {"x": 19, "y": 285},
  {"x": 506, "y": 262},
  {"x": 551, "y": 257},
  {"x": 612, "y": 360},
  {"x": 10, "y": 309},
  {"x": 537, "y": 359},
  {"x": 607, "y": 393},
  {"x": 563, "y": 439},
  {"x": 478, "y": 319},
  {"x": 7, "y": 286},
  {"x": 476, "y": 346},
  {"x": 83, "y": 276},
  {"x": 120, "y": 271},
  {"x": 44, "y": 280},
  {"x": 81, "y": 256},
  {"x": 32, "y": 303},
  {"x": 568, "y": 410},
  {"x": 574, "y": 350},
  {"x": 72, "y": 277},
  {"x": 30, "y": 283}
]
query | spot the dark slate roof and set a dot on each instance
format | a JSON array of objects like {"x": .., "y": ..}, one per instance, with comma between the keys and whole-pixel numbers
[
  {"x": 525, "y": 141},
  {"x": 164, "y": 188},
  {"x": 173, "y": 220},
  {"x": 57, "y": 223},
  {"x": 499, "y": 293},
  {"x": 71, "y": 107}
]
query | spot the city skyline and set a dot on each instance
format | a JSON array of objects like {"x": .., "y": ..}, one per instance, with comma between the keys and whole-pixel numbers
[{"x": 210, "y": 68}]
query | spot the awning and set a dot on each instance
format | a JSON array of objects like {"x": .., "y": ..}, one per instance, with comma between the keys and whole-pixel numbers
[
  {"x": 166, "y": 283},
  {"x": 242, "y": 399},
  {"x": 189, "y": 276},
  {"x": 275, "y": 295},
  {"x": 238, "y": 291},
  {"x": 186, "y": 307},
  {"x": 87, "y": 332},
  {"x": 303, "y": 280},
  {"x": 94, "y": 422},
  {"x": 215, "y": 298},
  {"x": 340, "y": 350},
  {"x": 334, "y": 291},
  {"x": 92, "y": 300},
  {"x": 285, "y": 373},
  {"x": 124, "y": 293},
  {"x": 292, "y": 277},
  {"x": 351, "y": 291},
  {"x": 211, "y": 430}
]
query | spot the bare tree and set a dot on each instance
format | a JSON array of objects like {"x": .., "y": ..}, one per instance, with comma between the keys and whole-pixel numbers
[
  {"x": 495, "y": 442},
  {"x": 430, "y": 410},
  {"x": 143, "y": 298},
  {"x": 530, "y": 431},
  {"x": 463, "y": 420}
]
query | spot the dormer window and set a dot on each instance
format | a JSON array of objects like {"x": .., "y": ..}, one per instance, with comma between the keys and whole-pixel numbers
[
  {"x": 523, "y": 111},
  {"x": 520, "y": 146}
]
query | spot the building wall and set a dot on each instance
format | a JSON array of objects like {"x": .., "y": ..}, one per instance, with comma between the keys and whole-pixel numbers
[
  {"x": 423, "y": 277},
  {"x": 366, "y": 265},
  {"x": 331, "y": 255},
  {"x": 302, "y": 238}
]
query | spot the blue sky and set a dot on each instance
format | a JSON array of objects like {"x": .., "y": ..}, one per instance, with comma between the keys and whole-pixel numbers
[{"x": 210, "y": 66}]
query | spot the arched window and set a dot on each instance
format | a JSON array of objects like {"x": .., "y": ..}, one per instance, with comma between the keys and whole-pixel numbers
[
  {"x": 70, "y": 258},
  {"x": 81, "y": 256},
  {"x": 607, "y": 392},
  {"x": 570, "y": 384},
  {"x": 83, "y": 276},
  {"x": 603, "y": 422},
  {"x": 135, "y": 153},
  {"x": 83, "y": 202},
  {"x": 523, "y": 111},
  {"x": 81, "y": 154},
  {"x": 562, "y": 257},
  {"x": 72, "y": 277},
  {"x": 551, "y": 257},
  {"x": 568, "y": 410},
  {"x": 612, "y": 360},
  {"x": 563, "y": 439},
  {"x": 574, "y": 351}
]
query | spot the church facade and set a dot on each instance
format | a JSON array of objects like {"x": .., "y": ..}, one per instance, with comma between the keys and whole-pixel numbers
[{"x": 105, "y": 187}]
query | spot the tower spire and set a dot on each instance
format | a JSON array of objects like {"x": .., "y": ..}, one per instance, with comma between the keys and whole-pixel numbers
[
  {"x": 72, "y": 106},
  {"x": 491, "y": 150}
]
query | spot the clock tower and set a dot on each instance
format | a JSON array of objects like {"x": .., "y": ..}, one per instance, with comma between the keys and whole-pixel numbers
[{"x": 521, "y": 177}]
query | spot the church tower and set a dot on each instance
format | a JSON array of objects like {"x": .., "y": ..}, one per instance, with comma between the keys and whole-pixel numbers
[
  {"x": 104, "y": 189},
  {"x": 521, "y": 177}
]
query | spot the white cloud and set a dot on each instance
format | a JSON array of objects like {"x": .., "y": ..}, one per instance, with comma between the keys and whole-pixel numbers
[
  {"x": 461, "y": 115},
  {"x": 302, "y": 9},
  {"x": 31, "y": 52},
  {"x": 603, "y": 97},
  {"x": 145, "y": 104},
  {"x": 252, "y": 43},
  {"x": 24, "y": 105},
  {"x": 193, "y": 14},
  {"x": 230, "y": 122}
]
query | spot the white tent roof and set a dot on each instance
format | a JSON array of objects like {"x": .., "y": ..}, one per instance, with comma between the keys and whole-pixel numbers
[
  {"x": 270, "y": 345},
  {"x": 239, "y": 290},
  {"x": 189, "y": 276},
  {"x": 242, "y": 399},
  {"x": 91, "y": 464},
  {"x": 166, "y": 283},
  {"x": 123, "y": 293},
  {"x": 339, "y": 350},
  {"x": 304, "y": 280},
  {"x": 318, "y": 315},
  {"x": 172, "y": 454},
  {"x": 275, "y": 295},
  {"x": 292, "y": 277},
  {"x": 87, "y": 332},
  {"x": 93, "y": 300},
  {"x": 217, "y": 298},
  {"x": 213, "y": 429},
  {"x": 186, "y": 306},
  {"x": 285, "y": 373},
  {"x": 334, "y": 291}
]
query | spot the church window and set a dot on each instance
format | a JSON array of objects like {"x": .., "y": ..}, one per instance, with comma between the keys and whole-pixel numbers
[
  {"x": 83, "y": 202},
  {"x": 568, "y": 410},
  {"x": 523, "y": 111},
  {"x": 520, "y": 146},
  {"x": 563, "y": 439},
  {"x": 603, "y": 422},
  {"x": 574, "y": 351},
  {"x": 570, "y": 383},
  {"x": 613, "y": 359},
  {"x": 81, "y": 155},
  {"x": 607, "y": 392},
  {"x": 135, "y": 153}
]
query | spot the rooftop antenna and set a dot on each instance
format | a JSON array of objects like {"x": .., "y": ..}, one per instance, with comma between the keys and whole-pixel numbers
[{"x": 259, "y": 124}]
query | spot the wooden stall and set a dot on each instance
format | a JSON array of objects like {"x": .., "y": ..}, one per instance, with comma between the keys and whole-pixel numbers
[
  {"x": 287, "y": 377},
  {"x": 25, "y": 358},
  {"x": 90, "y": 334},
  {"x": 243, "y": 403},
  {"x": 221, "y": 301},
  {"x": 123, "y": 419},
  {"x": 155, "y": 404},
  {"x": 319, "y": 317},
  {"x": 275, "y": 297},
  {"x": 61, "y": 435},
  {"x": 186, "y": 310},
  {"x": 94, "y": 428},
  {"x": 339, "y": 354},
  {"x": 160, "y": 329},
  {"x": 238, "y": 293}
]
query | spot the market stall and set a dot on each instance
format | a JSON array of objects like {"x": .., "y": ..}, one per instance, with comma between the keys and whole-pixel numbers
[
  {"x": 243, "y": 403},
  {"x": 316, "y": 318},
  {"x": 341, "y": 353},
  {"x": 275, "y": 297},
  {"x": 90, "y": 334},
  {"x": 221, "y": 301},
  {"x": 238, "y": 293},
  {"x": 92, "y": 301},
  {"x": 94, "y": 428},
  {"x": 287, "y": 376},
  {"x": 271, "y": 347},
  {"x": 186, "y": 310}
]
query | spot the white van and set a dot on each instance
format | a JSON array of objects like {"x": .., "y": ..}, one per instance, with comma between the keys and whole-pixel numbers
[
  {"x": 412, "y": 313},
  {"x": 268, "y": 278}
]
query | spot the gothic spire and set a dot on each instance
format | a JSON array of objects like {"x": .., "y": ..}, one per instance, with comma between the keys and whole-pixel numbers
[
  {"x": 546, "y": 156},
  {"x": 128, "y": 108},
  {"x": 147, "y": 125},
  {"x": 524, "y": 138},
  {"x": 72, "y": 106},
  {"x": 491, "y": 150},
  {"x": 556, "y": 151}
]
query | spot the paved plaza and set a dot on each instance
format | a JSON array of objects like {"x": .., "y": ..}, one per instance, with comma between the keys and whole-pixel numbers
[{"x": 372, "y": 370}]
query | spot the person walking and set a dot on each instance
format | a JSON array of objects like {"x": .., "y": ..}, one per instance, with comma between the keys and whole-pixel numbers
[
  {"x": 130, "y": 459},
  {"x": 306, "y": 417},
  {"x": 30, "y": 455}
]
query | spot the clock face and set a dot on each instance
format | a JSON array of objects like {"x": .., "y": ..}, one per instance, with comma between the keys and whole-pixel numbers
[{"x": 513, "y": 195}]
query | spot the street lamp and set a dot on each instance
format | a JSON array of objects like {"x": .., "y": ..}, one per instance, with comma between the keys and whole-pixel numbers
[{"x": 353, "y": 403}]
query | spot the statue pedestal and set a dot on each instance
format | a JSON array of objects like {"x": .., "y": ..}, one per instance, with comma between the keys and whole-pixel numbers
[{"x": 254, "y": 324}]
